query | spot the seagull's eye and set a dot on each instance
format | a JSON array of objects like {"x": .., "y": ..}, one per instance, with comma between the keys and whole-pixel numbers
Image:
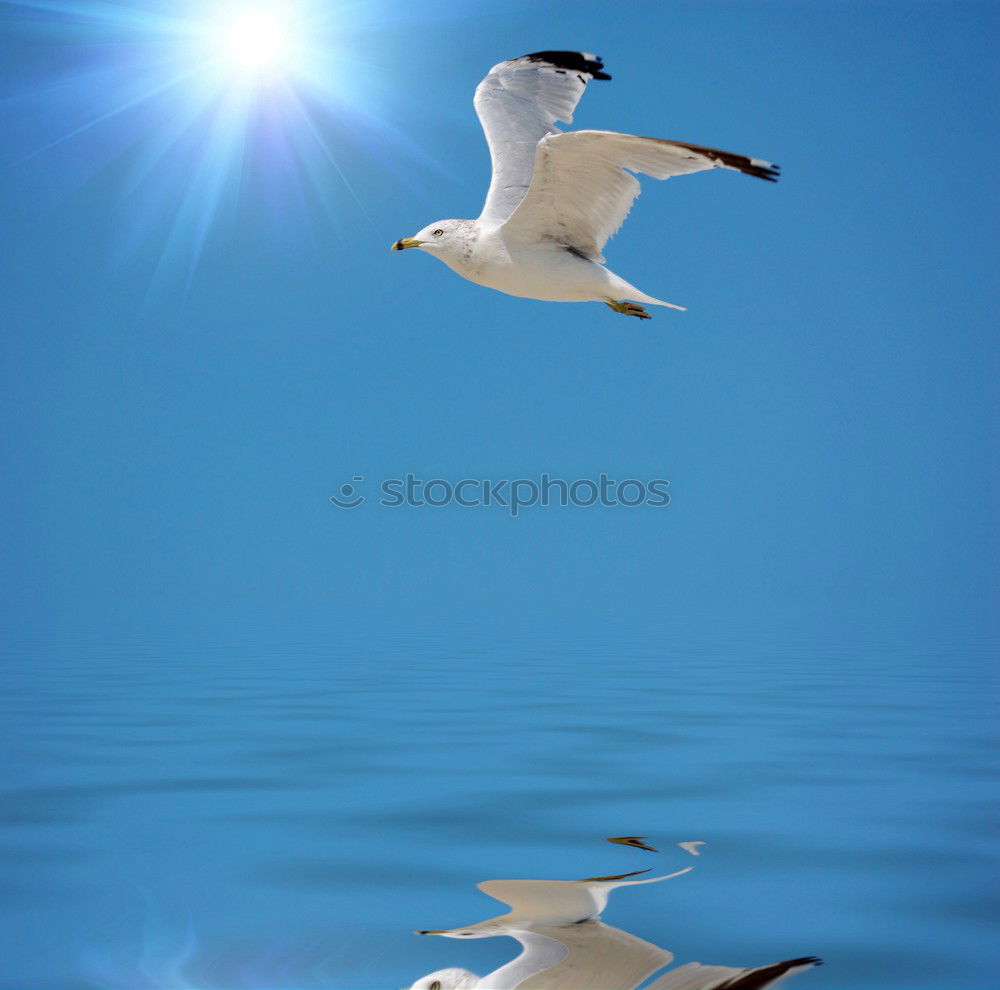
[{"x": 438, "y": 233}]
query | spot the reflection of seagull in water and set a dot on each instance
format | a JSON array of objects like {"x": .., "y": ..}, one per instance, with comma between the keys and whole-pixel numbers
[
  {"x": 565, "y": 946},
  {"x": 563, "y": 943}
]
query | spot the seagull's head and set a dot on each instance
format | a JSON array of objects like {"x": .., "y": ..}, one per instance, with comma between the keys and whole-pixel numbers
[
  {"x": 447, "y": 979},
  {"x": 448, "y": 239}
]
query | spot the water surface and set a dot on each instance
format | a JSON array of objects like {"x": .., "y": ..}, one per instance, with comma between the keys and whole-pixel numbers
[{"x": 287, "y": 816}]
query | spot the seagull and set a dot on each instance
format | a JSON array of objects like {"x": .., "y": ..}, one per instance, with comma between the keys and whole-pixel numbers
[{"x": 557, "y": 196}]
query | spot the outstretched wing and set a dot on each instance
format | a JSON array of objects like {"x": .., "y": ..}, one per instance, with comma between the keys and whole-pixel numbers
[
  {"x": 597, "y": 957},
  {"x": 582, "y": 186},
  {"x": 560, "y": 902},
  {"x": 553, "y": 902},
  {"x": 694, "y": 976},
  {"x": 518, "y": 104}
]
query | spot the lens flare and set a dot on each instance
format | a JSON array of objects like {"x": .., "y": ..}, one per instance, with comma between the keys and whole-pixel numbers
[
  {"x": 257, "y": 41},
  {"x": 209, "y": 117}
]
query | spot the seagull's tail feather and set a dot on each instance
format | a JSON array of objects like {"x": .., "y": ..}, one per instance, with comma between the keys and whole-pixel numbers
[
  {"x": 625, "y": 290},
  {"x": 650, "y": 301}
]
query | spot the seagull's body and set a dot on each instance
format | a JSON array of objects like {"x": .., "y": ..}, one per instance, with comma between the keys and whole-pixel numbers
[
  {"x": 547, "y": 271},
  {"x": 556, "y": 197}
]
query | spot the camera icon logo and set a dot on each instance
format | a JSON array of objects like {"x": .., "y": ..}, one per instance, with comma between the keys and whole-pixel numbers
[{"x": 348, "y": 498}]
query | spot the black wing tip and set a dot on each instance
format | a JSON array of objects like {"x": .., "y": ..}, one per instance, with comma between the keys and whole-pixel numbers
[
  {"x": 748, "y": 166},
  {"x": 765, "y": 976},
  {"x": 756, "y": 167},
  {"x": 617, "y": 876},
  {"x": 574, "y": 61}
]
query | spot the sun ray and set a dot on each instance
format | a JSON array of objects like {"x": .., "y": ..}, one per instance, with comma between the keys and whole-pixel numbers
[
  {"x": 151, "y": 93},
  {"x": 313, "y": 130},
  {"x": 184, "y": 103}
]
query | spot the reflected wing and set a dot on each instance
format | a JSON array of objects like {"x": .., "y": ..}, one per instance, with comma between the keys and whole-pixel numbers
[
  {"x": 561, "y": 902},
  {"x": 554, "y": 902},
  {"x": 597, "y": 957},
  {"x": 518, "y": 104},
  {"x": 639, "y": 841},
  {"x": 694, "y": 976},
  {"x": 582, "y": 186}
]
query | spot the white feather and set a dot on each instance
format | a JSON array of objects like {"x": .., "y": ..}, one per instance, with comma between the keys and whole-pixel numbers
[
  {"x": 582, "y": 186},
  {"x": 518, "y": 104}
]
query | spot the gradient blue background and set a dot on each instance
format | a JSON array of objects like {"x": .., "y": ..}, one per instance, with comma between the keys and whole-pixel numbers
[{"x": 184, "y": 387}]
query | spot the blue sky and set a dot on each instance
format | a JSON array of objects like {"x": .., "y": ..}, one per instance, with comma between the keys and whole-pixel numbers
[{"x": 206, "y": 334}]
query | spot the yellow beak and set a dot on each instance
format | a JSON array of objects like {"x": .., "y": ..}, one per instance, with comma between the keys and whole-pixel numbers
[{"x": 406, "y": 242}]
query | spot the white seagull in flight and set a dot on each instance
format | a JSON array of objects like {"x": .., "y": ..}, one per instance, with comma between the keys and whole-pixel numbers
[{"x": 556, "y": 197}]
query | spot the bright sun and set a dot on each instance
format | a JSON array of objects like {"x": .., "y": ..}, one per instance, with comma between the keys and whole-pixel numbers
[{"x": 257, "y": 42}]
